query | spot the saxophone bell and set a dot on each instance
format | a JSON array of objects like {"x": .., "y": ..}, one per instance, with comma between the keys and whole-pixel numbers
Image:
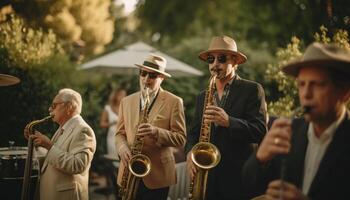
[{"x": 140, "y": 165}]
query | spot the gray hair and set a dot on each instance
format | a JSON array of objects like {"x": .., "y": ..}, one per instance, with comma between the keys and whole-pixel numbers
[{"x": 69, "y": 95}]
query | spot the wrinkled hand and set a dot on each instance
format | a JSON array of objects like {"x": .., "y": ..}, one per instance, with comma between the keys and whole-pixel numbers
[
  {"x": 191, "y": 168},
  {"x": 216, "y": 115},
  {"x": 276, "y": 141},
  {"x": 124, "y": 154},
  {"x": 147, "y": 130},
  {"x": 283, "y": 190},
  {"x": 41, "y": 140}
]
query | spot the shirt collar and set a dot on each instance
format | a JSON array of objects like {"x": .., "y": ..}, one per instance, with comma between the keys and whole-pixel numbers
[{"x": 329, "y": 132}]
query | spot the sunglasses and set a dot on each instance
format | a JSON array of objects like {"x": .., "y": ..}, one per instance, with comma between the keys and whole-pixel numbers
[
  {"x": 222, "y": 58},
  {"x": 55, "y": 104},
  {"x": 151, "y": 75}
]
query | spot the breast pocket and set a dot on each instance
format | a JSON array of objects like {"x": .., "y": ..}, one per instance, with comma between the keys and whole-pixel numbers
[{"x": 161, "y": 121}]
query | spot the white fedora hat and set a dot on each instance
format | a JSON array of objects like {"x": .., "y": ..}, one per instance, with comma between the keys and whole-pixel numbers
[{"x": 155, "y": 63}]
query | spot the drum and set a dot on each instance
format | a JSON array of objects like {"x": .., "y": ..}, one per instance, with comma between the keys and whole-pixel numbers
[
  {"x": 12, "y": 165},
  {"x": 12, "y": 162}
]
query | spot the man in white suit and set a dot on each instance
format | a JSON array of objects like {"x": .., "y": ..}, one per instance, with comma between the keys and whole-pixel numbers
[{"x": 65, "y": 171}]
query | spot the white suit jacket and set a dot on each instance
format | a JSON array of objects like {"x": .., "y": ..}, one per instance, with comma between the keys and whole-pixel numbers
[{"x": 65, "y": 171}]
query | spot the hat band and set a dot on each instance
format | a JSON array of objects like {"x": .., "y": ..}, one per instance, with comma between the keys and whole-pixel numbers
[{"x": 152, "y": 65}]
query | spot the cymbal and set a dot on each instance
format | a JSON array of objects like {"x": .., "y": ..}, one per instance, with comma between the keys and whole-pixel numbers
[{"x": 6, "y": 80}]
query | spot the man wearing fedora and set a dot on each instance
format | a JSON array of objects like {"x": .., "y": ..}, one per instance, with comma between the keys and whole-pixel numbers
[
  {"x": 316, "y": 147},
  {"x": 238, "y": 119},
  {"x": 165, "y": 129}
]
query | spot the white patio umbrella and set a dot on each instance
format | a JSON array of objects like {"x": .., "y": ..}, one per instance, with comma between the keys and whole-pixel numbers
[{"x": 123, "y": 62}]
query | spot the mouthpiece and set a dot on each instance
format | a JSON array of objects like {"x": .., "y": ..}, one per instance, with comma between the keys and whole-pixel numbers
[{"x": 306, "y": 109}]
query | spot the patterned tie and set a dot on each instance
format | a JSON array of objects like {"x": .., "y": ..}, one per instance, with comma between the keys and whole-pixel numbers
[{"x": 57, "y": 135}]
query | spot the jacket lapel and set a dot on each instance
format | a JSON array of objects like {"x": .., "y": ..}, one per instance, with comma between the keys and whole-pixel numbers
[
  {"x": 233, "y": 94},
  {"x": 335, "y": 149},
  {"x": 157, "y": 105}
]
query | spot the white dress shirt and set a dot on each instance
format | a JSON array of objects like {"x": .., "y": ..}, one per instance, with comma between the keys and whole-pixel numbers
[{"x": 316, "y": 149}]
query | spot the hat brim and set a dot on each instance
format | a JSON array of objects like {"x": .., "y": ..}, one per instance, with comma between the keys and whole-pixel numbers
[
  {"x": 155, "y": 70},
  {"x": 293, "y": 68},
  {"x": 241, "y": 58}
]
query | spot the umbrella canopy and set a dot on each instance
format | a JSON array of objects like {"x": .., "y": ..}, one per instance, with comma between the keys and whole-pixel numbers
[{"x": 123, "y": 62}]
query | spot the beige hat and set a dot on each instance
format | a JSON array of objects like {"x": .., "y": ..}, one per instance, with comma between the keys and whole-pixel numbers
[
  {"x": 223, "y": 44},
  {"x": 155, "y": 63},
  {"x": 321, "y": 55}
]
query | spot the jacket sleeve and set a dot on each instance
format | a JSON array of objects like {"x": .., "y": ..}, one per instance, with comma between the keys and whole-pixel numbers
[
  {"x": 251, "y": 126},
  {"x": 120, "y": 138},
  {"x": 176, "y": 135},
  {"x": 79, "y": 156},
  {"x": 193, "y": 135}
]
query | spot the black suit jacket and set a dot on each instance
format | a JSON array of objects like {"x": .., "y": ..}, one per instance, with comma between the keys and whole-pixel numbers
[
  {"x": 247, "y": 115},
  {"x": 332, "y": 178}
]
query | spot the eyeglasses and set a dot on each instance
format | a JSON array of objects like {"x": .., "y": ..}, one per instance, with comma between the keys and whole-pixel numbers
[
  {"x": 54, "y": 105},
  {"x": 151, "y": 75},
  {"x": 222, "y": 58}
]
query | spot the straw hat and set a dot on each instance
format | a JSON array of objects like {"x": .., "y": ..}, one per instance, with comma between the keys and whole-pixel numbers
[
  {"x": 155, "y": 63},
  {"x": 223, "y": 44},
  {"x": 321, "y": 55}
]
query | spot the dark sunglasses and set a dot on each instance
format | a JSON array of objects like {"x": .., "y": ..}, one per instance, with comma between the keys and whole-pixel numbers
[
  {"x": 151, "y": 75},
  {"x": 222, "y": 58}
]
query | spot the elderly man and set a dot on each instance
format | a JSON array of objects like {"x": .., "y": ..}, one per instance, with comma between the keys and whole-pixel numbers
[
  {"x": 238, "y": 119},
  {"x": 317, "y": 162},
  {"x": 65, "y": 171},
  {"x": 159, "y": 126}
]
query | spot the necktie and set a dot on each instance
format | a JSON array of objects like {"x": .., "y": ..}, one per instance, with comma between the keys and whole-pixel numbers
[{"x": 57, "y": 135}]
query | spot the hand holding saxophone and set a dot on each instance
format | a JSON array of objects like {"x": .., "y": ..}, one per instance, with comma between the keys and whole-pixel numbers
[
  {"x": 41, "y": 140},
  {"x": 124, "y": 154},
  {"x": 217, "y": 115},
  {"x": 147, "y": 130},
  {"x": 276, "y": 141}
]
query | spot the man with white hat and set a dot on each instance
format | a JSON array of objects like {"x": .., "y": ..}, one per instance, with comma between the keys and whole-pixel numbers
[
  {"x": 164, "y": 128},
  {"x": 316, "y": 147},
  {"x": 238, "y": 119}
]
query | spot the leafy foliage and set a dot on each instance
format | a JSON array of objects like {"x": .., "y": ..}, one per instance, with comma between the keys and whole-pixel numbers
[
  {"x": 25, "y": 45},
  {"x": 88, "y": 21}
]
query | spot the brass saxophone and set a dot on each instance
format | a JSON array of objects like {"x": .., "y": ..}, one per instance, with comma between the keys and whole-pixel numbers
[
  {"x": 29, "y": 161},
  {"x": 204, "y": 154},
  {"x": 139, "y": 164}
]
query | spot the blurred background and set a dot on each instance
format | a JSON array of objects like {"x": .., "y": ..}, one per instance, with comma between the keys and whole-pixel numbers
[{"x": 46, "y": 43}]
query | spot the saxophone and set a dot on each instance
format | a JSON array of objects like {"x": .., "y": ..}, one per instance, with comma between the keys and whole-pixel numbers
[
  {"x": 139, "y": 164},
  {"x": 204, "y": 154},
  {"x": 29, "y": 161}
]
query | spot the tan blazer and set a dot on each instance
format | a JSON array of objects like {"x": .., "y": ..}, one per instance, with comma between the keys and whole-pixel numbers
[
  {"x": 65, "y": 172},
  {"x": 167, "y": 114}
]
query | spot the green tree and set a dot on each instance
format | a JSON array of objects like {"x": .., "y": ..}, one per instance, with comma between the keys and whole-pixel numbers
[{"x": 84, "y": 22}]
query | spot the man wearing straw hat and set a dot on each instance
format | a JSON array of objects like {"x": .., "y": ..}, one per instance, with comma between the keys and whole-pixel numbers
[
  {"x": 165, "y": 129},
  {"x": 238, "y": 119},
  {"x": 317, "y": 146}
]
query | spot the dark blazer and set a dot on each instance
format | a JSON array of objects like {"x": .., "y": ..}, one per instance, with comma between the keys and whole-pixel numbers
[
  {"x": 247, "y": 115},
  {"x": 332, "y": 178}
]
